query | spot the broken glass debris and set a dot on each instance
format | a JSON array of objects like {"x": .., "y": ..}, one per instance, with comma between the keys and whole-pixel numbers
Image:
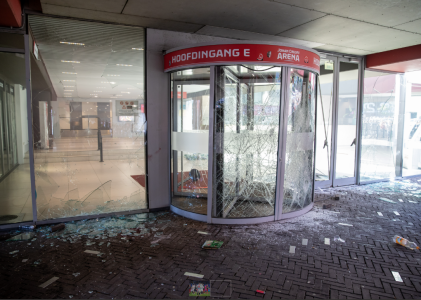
[
  {"x": 103, "y": 228},
  {"x": 24, "y": 236}
]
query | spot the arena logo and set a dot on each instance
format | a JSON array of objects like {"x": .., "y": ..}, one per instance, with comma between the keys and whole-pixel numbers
[{"x": 288, "y": 56}]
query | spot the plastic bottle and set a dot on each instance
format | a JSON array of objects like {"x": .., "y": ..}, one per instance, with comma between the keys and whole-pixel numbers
[{"x": 404, "y": 242}]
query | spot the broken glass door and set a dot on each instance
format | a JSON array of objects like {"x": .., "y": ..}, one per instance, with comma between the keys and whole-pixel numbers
[
  {"x": 325, "y": 109},
  {"x": 299, "y": 157},
  {"x": 190, "y": 90},
  {"x": 247, "y": 107}
]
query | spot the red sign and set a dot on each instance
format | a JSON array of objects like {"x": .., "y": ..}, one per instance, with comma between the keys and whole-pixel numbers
[
  {"x": 241, "y": 53},
  {"x": 179, "y": 95},
  {"x": 142, "y": 108}
]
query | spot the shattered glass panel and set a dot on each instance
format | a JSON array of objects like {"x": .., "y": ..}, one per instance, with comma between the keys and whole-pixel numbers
[
  {"x": 412, "y": 127},
  {"x": 379, "y": 125},
  {"x": 246, "y": 140},
  {"x": 89, "y": 118},
  {"x": 15, "y": 180},
  {"x": 190, "y": 90},
  {"x": 299, "y": 160},
  {"x": 324, "y": 120}
]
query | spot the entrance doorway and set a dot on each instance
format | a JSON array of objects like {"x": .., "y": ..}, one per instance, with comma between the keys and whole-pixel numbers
[{"x": 337, "y": 122}]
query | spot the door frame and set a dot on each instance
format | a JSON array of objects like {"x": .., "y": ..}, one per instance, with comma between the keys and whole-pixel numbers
[{"x": 333, "y": 181}]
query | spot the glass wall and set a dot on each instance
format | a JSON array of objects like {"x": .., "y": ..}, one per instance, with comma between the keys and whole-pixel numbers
[
  {"x": 15, "y": 183},
  {"x": 380, "y": 113},
  {"x": 299, "y": 160},
  {"x": 88, "y": 117},
  {"x": 190, "y": 91},
  {"x": 247, "y": 111},
  {"x": 412, "y": 128}
]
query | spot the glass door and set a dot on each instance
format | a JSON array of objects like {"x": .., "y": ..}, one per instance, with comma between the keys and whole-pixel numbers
[
  {"x": 346, "y": 123},
  {"x": 337, "y": 121},
  {"x": 325, "y": 111},
  {"x": 190, "y": 91}
]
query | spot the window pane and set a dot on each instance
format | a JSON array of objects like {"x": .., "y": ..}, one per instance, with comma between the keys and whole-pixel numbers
[
  {"x": 89, "y": 76},
  {"x": 379, "y": 125},
  {"x": 412, "y": 129}
]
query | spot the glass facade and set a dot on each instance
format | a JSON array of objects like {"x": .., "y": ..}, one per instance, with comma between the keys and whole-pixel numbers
[
  {"x": 15, "y": 183},
  {"x": 88, "y": 117},
  {"x": 89, "y": 127}
]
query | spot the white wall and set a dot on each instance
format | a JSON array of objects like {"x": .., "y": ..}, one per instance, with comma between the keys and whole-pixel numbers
[{"x": 21, "y": 122}]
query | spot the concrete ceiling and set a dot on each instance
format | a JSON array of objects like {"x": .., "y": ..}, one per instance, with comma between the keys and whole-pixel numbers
[{"x": 357, "y": 27}]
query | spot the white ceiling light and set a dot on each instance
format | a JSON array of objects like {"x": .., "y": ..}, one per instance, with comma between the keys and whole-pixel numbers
[
  {"x": 69, "y": 43},
  {"x": 121, "y": 65},
  {"x": 69, "y": 90},
  {"x": 93, "y": 94},
  {"x": 68, "y": 80},
  {"x": 69, "y": 86},
  {"x": 137, "y": 49},
  {"x": 112, "y": 75},
  {"x": 69, "y": 73},
  {"x": 125, "y": 92},
  {"x": 71, "y": 61}
]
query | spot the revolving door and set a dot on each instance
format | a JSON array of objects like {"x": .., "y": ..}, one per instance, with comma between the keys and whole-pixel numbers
[{"x": 242, "y": 142}]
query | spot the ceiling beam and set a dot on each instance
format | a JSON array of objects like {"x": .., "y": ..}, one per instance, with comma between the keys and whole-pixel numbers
[
  {"x": 398, "y": 60},
  {"x": 10, "y": 13}
]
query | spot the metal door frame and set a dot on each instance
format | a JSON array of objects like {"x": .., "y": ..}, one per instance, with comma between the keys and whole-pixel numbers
[
  {"x": 335, "y": 86},
  {"x": 333, "y": 181},
  {"x": 348, "y": 180}
]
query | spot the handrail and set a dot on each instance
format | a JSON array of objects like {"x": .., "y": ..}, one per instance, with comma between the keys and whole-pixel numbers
[{"x": 99, "y": 136}]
